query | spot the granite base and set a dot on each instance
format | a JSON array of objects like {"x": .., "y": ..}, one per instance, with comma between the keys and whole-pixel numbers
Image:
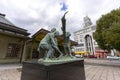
[{"x": 72, "y": 70}]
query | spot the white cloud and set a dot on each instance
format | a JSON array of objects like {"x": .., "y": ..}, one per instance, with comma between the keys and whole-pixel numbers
[{"x": 35, "y": 14}]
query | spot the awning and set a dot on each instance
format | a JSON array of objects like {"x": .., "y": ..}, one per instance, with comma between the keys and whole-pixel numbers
[
  {"x": 101, "y": 51},
  {"x": 81, "y": 52}
]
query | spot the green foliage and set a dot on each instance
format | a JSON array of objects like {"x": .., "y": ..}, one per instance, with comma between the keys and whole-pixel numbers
[
  {"x": 107, "y": 33},
  {"x": 113, "y": 36}
]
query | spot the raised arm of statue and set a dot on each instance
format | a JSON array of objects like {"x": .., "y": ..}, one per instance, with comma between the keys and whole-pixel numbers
[{"x": 64, "y": 24}]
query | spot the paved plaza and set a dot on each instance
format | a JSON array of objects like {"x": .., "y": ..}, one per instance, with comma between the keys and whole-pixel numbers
[{"x": 94, "y": 70}]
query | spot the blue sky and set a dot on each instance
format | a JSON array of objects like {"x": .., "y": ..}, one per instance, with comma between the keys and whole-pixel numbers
[
  {"x": 36, "y": 14},
  {"x": 64, "y": 6}
]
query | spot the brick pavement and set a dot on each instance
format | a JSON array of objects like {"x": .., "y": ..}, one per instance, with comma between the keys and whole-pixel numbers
[
  {"x": 102, "y": 69},
  {"x": 92, "y": 72},
  {"x": 10, "y": 74}
]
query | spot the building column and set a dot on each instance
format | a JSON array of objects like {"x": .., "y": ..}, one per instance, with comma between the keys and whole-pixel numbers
[
  {"x": 31, "y": 51},
  {"x": 24, "y": 53}
]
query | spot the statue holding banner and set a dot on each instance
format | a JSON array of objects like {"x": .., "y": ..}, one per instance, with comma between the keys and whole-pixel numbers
[{"x": 66, "y": 38}]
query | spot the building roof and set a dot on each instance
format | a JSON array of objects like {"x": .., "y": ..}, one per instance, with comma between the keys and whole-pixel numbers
[
  {"x": 7, "y": 25},
  {"x": 4, "y": 20},
  {"x": 42, "y": 32}
]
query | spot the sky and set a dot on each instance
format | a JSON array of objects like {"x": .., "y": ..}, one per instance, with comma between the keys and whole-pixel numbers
[{"x": 36, "y": 14}]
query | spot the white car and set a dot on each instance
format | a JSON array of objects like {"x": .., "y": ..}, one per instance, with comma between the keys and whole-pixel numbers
[
  {"x": 113, "y": 57},
  {"x": 78, "y": 56}
]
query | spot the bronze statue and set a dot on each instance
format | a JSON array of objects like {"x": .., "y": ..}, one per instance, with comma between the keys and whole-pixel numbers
[{"x": 49, "y": 44}]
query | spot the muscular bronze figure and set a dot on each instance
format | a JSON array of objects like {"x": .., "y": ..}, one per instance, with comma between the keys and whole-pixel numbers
[{"x": 49, "y": 44}]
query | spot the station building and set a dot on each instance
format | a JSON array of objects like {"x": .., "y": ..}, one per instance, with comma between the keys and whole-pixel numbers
[
  {"x": 17, "y": 46},
  {"x": 12, "y": 39}
]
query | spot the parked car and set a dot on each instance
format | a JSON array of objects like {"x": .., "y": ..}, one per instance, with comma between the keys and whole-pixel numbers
[
  {"x": 78, "y": 56},
  {"x": 113, "y": 57}
]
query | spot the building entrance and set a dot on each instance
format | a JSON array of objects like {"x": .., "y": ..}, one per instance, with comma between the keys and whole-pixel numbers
[{"x": 89, "y": 44}]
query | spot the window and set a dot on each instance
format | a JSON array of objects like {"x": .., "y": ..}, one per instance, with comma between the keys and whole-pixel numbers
[
  {"x": 13, "y": 50},
  {"x": 81, "y": 40},
  {"x": 80, "y": 45},
  {"x": 80, "y": 36}
]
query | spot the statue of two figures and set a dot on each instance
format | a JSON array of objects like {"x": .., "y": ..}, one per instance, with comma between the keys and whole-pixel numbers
[{"x": 49, "y": 43}]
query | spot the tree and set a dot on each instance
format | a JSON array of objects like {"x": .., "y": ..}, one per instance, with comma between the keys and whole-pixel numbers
[
  {"x": 107, "y": 32},
  {"x": 113, "y": 36}
]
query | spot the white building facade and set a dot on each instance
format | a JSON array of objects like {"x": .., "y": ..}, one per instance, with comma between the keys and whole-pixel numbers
[{"x": 85, "y": 39}]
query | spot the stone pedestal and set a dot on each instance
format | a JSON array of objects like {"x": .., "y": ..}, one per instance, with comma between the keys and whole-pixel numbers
[{"x": 72, "y": 70}]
